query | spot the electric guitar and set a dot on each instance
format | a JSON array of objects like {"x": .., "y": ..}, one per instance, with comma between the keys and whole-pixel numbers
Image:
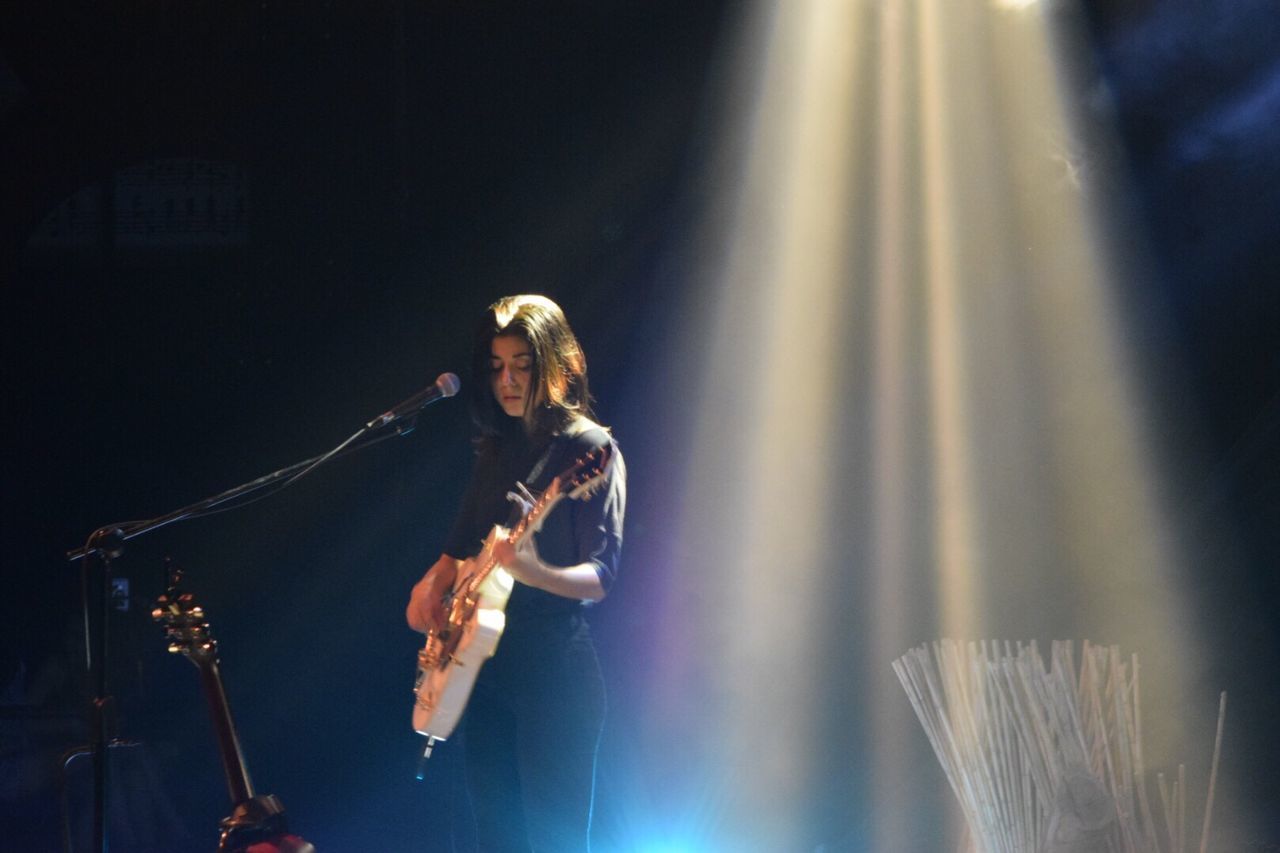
[
  {"x": 451, "y": 658},
  {"x": 255, "y": 820}
]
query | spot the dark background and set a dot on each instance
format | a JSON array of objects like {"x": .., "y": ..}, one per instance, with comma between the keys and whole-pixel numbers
[{"x": 382, "y": 171}]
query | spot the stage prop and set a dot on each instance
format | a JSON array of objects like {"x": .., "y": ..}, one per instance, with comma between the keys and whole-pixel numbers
[{"x": 1048, "y": 759}]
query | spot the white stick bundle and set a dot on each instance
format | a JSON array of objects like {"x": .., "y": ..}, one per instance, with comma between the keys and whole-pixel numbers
[{"x": 1045, "y": 759}]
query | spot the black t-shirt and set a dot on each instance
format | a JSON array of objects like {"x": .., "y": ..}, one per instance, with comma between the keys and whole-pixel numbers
[{"x": 573, "y": 532}]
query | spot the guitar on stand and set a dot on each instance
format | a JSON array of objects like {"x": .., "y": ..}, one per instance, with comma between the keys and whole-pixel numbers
[
  {"x": 451, "y": 658},
  {"x": 257, "y": 822}
]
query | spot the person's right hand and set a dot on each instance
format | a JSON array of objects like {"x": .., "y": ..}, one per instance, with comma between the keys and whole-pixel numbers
[{"x": 425, "y": 610}]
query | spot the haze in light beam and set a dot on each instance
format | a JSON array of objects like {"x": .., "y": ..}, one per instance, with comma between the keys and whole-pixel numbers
[{"x": 916, "y": 415}]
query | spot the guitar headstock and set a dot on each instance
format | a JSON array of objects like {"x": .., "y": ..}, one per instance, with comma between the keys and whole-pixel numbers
[
  {"x": 576, "y": 482},
  {"x": 582, "y": 478},
  {"x": 184, "y": 622}
]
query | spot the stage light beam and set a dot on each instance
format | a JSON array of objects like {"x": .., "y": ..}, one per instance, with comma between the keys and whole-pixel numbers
[{"x": 913, "y": 380}]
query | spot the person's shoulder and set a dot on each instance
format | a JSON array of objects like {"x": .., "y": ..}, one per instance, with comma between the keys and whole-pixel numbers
[
  {"x": 590, "y": 438},
  {"x": 586, "y": 435}
]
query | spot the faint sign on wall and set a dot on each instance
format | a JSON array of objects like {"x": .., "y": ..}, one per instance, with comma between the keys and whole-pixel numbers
[{"x": 161, "y": 206}]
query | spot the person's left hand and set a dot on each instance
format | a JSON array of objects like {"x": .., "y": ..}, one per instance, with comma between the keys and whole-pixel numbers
[{"x": 522, "y": 563}]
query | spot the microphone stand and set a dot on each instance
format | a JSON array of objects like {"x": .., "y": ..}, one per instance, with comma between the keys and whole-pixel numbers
[{"x": 107, "y": 543}]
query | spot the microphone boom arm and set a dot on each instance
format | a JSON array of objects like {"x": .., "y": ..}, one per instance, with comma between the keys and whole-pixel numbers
[{"x": 445, "y": 386}]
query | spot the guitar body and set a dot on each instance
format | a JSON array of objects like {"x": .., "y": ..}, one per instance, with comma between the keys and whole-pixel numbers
[{"x": 451, "y": 659}]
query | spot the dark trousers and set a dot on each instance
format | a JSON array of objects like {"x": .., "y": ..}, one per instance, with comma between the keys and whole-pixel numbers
[{"x": 531, "y": 730}]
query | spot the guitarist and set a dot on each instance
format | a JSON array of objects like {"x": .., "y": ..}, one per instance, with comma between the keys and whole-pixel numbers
[{"x": 534, "y": 719}]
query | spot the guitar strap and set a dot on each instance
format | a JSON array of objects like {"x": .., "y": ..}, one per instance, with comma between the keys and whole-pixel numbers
[
  {"x": 539, "y": 465},
  {"x": 521, "y": 498}
]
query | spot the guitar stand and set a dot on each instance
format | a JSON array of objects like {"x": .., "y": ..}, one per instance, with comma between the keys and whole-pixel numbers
[{"x": 257, "y": 825}]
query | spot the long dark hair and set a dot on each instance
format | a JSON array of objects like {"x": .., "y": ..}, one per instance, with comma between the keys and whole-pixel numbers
[{"x": 558, "y": 393}]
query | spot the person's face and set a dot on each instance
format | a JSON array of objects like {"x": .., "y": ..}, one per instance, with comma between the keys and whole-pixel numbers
[{"x": 511, "y": 371}]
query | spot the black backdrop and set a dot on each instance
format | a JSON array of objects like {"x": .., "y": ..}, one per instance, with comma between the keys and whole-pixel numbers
[{"x": 400, "y": 165}]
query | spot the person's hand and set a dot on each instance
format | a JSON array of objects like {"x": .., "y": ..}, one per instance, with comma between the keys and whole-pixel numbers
[
  {"x": 425, "y": 610},
  {"x": 521, "y": 562}
]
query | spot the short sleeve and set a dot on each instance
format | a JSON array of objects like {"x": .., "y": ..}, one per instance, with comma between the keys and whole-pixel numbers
[{"x": 598, "y": 523}]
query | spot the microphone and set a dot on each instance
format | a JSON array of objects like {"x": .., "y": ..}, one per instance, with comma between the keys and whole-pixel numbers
[{"x": 446, "y": 385}]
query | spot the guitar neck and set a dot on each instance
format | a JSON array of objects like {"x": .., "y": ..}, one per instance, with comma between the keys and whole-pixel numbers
[
  {"x": 576, "y": 481},
  {"x": 239, "y": 785},
  {"x": 523, "y": 529}
]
